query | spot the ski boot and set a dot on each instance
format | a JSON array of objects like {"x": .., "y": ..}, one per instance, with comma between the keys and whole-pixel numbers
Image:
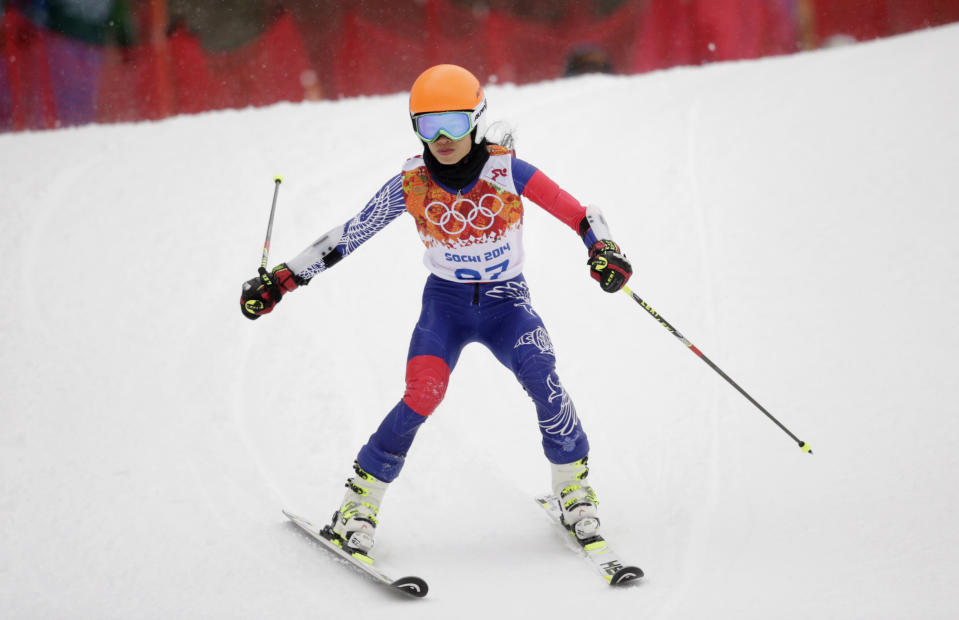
[
  {"x": 354, "y": 524},
  {"x": 576, "y": 499}
]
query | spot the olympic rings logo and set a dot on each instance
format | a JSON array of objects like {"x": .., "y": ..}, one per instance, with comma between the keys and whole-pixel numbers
[{"x": 454, "y": 219}]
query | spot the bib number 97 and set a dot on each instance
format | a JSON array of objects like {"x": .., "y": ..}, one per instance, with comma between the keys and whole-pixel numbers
[{"x": 493, "y": 272}]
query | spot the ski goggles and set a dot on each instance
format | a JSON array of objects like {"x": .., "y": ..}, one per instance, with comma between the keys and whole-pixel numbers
[{"x": 454, "y": 125}]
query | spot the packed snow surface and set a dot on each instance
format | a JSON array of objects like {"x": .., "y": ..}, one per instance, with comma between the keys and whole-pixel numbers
[{"x": 795, "y": 218}]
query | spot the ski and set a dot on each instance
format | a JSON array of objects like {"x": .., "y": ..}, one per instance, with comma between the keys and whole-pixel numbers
[
  {"x": 413, "y": 586},
  {"x": 595, "y": 549}
]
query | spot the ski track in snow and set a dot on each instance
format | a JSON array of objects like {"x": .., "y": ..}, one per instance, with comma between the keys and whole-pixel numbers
[
  {"x": 697, "y": 532},
  {"x": 53, "y": 201}
]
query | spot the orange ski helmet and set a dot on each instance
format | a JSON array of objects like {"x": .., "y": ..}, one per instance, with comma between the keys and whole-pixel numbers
[{"x": 449, "y": 88}]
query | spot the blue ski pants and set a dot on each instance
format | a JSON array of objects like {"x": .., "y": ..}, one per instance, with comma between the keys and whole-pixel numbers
[{"x": 498, "y": 315}]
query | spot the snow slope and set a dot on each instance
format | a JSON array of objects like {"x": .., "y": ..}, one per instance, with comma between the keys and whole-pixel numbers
[{"x": 794, "y": 217}]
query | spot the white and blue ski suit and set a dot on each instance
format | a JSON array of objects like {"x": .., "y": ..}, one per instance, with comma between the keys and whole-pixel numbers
[{"x": 475, "y": 293}]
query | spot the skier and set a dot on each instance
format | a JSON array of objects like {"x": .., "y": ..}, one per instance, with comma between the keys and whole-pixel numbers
[{"x": 464, "y": 192}]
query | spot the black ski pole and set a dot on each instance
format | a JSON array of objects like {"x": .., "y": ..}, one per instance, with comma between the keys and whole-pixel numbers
[
  {"x": 269, "y": 229},
  {"x": 802, "y": 444}
]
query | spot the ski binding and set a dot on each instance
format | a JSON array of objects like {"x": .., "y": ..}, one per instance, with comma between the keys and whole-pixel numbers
[
  {"x": 595, "y": 549},
  {"x": 413, "y": 586}
]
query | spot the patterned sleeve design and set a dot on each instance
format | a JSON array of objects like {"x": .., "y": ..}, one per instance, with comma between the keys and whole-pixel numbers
[{"x": 383, "y": 208}]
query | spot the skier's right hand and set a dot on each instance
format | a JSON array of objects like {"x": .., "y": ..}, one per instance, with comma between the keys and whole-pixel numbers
[{"x": 261, "y": 293}]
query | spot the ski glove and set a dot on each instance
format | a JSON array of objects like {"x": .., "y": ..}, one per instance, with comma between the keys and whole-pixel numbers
[
  {"x": 608, "y": 265},
  {"x": 260, "y": 294}
]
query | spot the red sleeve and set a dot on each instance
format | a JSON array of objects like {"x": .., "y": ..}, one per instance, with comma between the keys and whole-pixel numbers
[{"x": 546, "y": 193}]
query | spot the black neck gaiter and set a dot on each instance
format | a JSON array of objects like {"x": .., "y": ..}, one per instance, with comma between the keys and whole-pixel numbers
[{"x": 462, "y": 173}]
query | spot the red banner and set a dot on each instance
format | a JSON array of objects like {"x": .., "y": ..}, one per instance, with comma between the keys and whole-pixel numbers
[{"x": 48, "y": 80}]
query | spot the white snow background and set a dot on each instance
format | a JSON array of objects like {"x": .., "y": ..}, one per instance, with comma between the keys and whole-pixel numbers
[{"x": 794, "y": 217}]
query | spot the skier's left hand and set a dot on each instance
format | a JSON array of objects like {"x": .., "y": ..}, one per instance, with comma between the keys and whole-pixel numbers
[{"x": 608, "y": 265}]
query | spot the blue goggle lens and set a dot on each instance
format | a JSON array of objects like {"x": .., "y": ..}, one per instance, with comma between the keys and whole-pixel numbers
[{"x": 453, "y": 125}]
